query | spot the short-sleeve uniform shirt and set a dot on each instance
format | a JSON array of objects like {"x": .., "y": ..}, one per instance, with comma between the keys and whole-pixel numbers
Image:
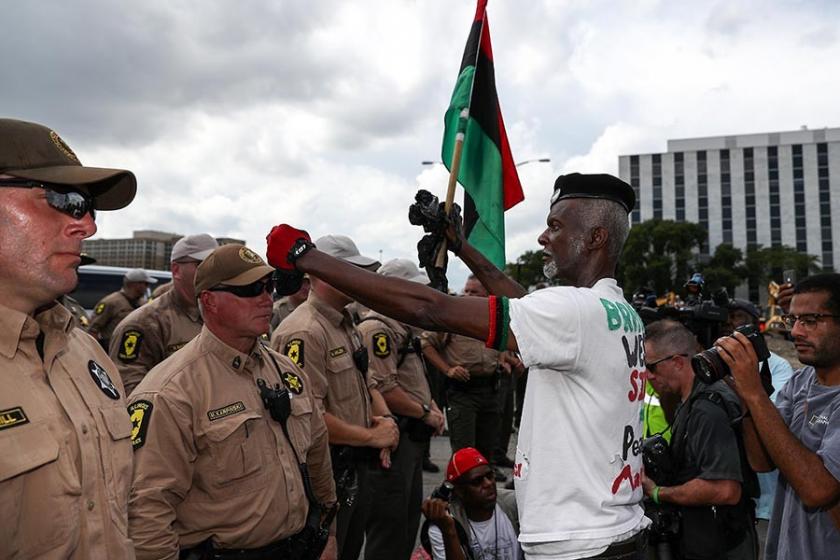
[
  {"x": 65, "y": 452},
  {"x": 150, "y": 334},
  {"x": 321, "y": 341}
]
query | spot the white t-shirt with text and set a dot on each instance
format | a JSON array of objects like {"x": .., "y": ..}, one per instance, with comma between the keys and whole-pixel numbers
[{"x": 578, "y": 459}]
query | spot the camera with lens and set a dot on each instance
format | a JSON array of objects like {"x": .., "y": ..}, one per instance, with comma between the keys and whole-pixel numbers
[
  {"x": 656, "y": 456},
  {"x": 443, "y": 492},
  {"x": 709, "y": 367},
  {"x": 665, "y": 518},
  {"x": 703, "y": 316}
]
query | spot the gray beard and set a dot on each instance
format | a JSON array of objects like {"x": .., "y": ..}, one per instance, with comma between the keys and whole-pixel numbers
[{"x": 550, "y": 270}]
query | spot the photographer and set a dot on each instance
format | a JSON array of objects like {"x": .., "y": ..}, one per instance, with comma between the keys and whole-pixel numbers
[
  {"x": 471, "y": 524},
  {"x": 711, "y": 485},
  {"x": 743, "y": 312},
  {"x": 799, "y": 435}
]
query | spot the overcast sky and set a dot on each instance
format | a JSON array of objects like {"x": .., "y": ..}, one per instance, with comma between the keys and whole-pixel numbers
[{"x": 236, "y": 116}]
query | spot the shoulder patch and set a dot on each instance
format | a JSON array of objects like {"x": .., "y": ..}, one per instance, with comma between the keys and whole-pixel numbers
[
  {"x": 130, "y": 345},
  {"x": 12, "y": 417},
  {"x": 336, "y": 352},
  {"x": 294, "y": 350},
  {"x": 99, "y": 309},
  {"x": 100, "y": 377},
  {"x": 227, "y": 410},
  {"x": 140, "y": 413},
  {"x": 381, "y": 345},
  {"x": 293, "y": 382}
]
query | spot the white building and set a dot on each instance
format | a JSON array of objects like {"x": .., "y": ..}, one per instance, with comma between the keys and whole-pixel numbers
[{"x": 778, "y": 188}]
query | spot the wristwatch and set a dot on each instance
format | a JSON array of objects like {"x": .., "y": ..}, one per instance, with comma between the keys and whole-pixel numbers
[{"x": 426, "y": 411}]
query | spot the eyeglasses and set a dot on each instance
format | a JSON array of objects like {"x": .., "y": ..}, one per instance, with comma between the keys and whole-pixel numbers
[
  {"x": 651, "y": 366},
  {"x": 807, "y": 320},
  {"x": 72, "y": 203},
  {"x": 251, "y": 290},
  {"x": 477, "y": 481}
]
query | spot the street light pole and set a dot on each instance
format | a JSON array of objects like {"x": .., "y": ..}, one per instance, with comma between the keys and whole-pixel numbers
[{"x": 519, "y": 163}]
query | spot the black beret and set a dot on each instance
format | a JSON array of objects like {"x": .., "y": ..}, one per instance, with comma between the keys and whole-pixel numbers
[{"x": 601, "y": 185}]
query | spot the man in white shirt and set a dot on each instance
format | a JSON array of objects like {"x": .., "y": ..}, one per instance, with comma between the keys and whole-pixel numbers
[{"x": 578, "y": 461}]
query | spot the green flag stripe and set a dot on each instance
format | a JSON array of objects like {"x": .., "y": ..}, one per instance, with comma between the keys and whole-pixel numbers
[{"x": 484, "y": 183}]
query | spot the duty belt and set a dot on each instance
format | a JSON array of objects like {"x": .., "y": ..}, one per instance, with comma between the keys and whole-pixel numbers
[{"x": 206, "y": 551}]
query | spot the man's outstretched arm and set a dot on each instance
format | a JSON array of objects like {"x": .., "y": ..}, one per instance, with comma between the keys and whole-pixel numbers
[
  {"x": 400, "y": 299},
  {"x": 494, "y": 280}
]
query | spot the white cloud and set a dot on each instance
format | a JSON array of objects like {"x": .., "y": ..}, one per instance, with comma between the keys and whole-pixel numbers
[{"x": 319, "y": 113}]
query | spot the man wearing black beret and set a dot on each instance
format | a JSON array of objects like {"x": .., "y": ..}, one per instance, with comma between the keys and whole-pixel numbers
[{"x": 578, "y": 459}]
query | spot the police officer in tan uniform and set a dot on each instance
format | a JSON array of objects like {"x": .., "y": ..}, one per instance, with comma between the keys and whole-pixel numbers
[
  {"x": 398, "y": 372},
  {"x": 284, "y": 306},
  {"x": 116, "y": 306},
  {"x": 473, "y": 372},
  {"x": 154, "y": 331},
  {"x": 320, "y": 337},
  {"x": 65, "y": 453},
  {"x": 224, "y": 432}
]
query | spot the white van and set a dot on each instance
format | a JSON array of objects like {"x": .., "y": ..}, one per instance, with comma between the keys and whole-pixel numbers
[{"x": 96, "y": 282}]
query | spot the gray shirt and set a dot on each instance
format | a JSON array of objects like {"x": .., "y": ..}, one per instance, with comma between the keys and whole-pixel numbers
[{"x": 812, "y": 412}]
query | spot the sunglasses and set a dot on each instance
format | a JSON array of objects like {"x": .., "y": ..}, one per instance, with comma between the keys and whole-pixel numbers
[
  {"x": 477, "y": 481},
  {"x": 251, "y": 290},
  {"x": 70, "y": 202},
  {"x": 651, "y": 366}
]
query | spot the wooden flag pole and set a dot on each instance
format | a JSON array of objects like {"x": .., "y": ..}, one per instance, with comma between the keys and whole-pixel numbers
[{"x": 440, "y": 260}]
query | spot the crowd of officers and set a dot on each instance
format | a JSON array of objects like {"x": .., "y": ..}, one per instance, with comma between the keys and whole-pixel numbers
[
  {"x": 365, "y": 374},
  {"x": 308, "y": 440},
  {"x": 241, "y": 439}
]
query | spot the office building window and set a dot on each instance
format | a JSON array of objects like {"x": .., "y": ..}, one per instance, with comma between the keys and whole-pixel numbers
[
  {"x": 634, "y": 182},
  {"x": 703, "y": 199},
  {"x": 775, "y": 203},
  {"x": 825, "y": 207},
  {"x": 679, "y": 186},
  {"x": 657, "y": 186},
  {"x": 799, "y": 199},
  {"x": 726, "y": 196}
]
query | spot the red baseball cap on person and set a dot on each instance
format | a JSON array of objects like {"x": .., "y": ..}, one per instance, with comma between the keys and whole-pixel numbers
[{"x": 462, "y": 461}]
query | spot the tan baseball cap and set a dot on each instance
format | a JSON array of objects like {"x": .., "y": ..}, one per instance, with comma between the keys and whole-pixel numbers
[
  {"x": 405, "y": 269},
  {"x": 343, "y": 248},
  {"x": 231, "y": 265},
  {"x": 34, "y": 152},
  {"x": 197, "y": 246}
]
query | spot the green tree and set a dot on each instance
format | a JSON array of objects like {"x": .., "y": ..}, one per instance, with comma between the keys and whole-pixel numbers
[
  {"x": 659, "y": 254},
  {"x": 528, "y": 268},
  {"x": 767, "y": 263},
  {"x": 726, "y": 269}
]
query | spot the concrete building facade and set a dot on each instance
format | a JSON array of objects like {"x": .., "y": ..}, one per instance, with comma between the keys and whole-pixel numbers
[
  {"x": 771, "y": 189},
  {"x": 148, "y": 249}
]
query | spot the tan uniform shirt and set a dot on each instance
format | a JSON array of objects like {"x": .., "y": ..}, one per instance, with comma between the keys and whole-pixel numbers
[
  {"x": 210, "y": 462},
  {"x": 282, "y": 308},
  {"x": 150, "y": 334},
  {"x": 108, "y": 313},
  {"x": 65, "y": 453},
  {"x": 456, "y": 349},
  {"x": 321, "y": 340},
  {"x": 387, "y": 341},
  {"x": 80, "y": 316}
]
